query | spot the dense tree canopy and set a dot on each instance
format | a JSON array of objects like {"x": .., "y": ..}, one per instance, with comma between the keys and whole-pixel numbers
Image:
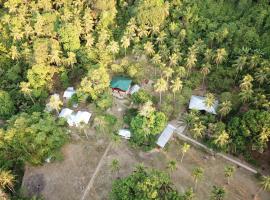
[{"x": 144, "y": 184}]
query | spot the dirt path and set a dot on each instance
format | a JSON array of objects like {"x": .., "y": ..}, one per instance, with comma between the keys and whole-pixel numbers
[{"x": 91, "y": 182}]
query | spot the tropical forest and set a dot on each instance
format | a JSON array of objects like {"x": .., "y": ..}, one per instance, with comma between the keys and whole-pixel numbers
[{"x": 134, "y": 100}]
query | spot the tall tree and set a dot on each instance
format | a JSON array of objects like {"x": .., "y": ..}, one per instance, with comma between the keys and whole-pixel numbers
[
  {"x": 176, "y": 85},
  {"x": 265, "y": 185},
  {"x": 209, "y": 100},
  {"x": 161, "y": 86},
  {"x": 229, "y": 172},
  {"x": 220, "y": 56},
  {"x": 197, "y": 174},
  {"x": 217, "y": 193},
  {"x": 224, "y": 108},
  {"x": 184, "y": 150}
]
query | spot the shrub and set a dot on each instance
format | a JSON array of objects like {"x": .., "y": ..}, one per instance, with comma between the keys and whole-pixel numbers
[
  {"x": 141, "y": 97},
  {"x": 6, "y": 105},
  {"x": 105, "y": 101}
]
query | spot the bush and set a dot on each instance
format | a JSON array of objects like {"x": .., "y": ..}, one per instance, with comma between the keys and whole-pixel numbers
[
  {"x": 105, "y": 123},
  {"x": 6, "y": 105},
  {"x": 105, "y": 101},
  {"x": 141, "y": 97}
]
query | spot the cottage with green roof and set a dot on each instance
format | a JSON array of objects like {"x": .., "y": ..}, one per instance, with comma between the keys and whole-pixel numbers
[{"x": 120, "y": 84}]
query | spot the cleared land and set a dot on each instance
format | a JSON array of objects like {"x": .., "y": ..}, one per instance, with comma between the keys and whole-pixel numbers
[{"x": 68, "y": 179}]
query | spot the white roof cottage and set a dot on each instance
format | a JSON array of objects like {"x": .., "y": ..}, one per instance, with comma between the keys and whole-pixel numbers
[{"x": 197, "y": 103}]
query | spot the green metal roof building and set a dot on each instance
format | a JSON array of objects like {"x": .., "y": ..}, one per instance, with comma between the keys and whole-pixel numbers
[{"x": 120, "y": 83}]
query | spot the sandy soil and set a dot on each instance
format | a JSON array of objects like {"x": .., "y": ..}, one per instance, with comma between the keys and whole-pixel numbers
[{"x": 68, "y": 179}]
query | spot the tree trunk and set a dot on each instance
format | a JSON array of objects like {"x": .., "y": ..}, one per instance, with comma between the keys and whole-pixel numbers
[
  {"x": 160, "y": 98},
  {"x": 182, "y": 157},
  {"x": 256, "y": 194},
  {"x": 32, "y": 99}
]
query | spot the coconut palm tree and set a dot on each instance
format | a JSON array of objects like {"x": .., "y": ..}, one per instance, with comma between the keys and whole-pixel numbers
[
  {"x": 171, "y": 166},
  {"x": 113, "y": 47},
  {"x": 14, "y": 53},
  {"x": 198, "y": 130},
  {"x": 225, "y": 108},
  {"x": 191, "y": 61},
  {"x": 229, "y": 172},
  {"x": 168, "y": 72},
  {"x": 7, "y": 180},
  {"x": 220, "y": 56},
  {"x": 149, "y": 48},
  {"x": 176, "y": 85},
  {"x": 173, "y": 59},
  {"x": 205, "y": 70},
  {"x": 189, "y": 194},
  {"x": 265, "y": 185},
  {"x": 55, "y": 103},
  {"x": 115, "y": 166},
  {"x": 222, "y": 139},
  {"x": 208, "y": 55},
  {"x": 246, "y": 83},
  {"x": 184, "y": 150},
  {"x": 125, "y": 43},
  {"x": 161, "y": 86},
  {"x": 217, "y": 193},
  {"x": 197, "y": 174},
  {"x": 209, "y": 100},
  {"x": 246, "y": 95},
  {"x": 25, "y": 88}
]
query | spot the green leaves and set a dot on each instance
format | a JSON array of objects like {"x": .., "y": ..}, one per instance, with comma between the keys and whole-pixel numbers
[{"x": 31, "y": 138}]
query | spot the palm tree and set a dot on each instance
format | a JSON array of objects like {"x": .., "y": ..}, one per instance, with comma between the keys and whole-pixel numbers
[
  {"x": 222, "y": 139},
  {"x": 184, "y": 150},
  {"x": 265, "y": 185},
  {"x": 161, "y": 86},
  {"x": 209, "y": 100},
  {"x": 113, "y": 47},
  {"x": 14, "y": 53},
  {"x": 171, "y": 166},
  {"x": 147, "y": 109},
  {"x": 173, "y": 59},
  {"x": 205, "y": 71},
  {"x": 191, "y": 61},
  {"x": 168, "y": 72},
  {"x": 208, "y": 55},
  {"x": 220, "y": 56},
  {"x": 177, "y": 85},
  {"x": 225, "y": 108},
  {"x": 189, "y": 194},
  {"x": 246, "y": 95},
  {"x": 261, "y": 76},
  {"x": 125, "y": 43},
  {"x": 149, "y": 48},
  {"x": 246, "y": 83},
  {"x": 55, "y": 103},
  {"x": 7, "y": 180},
  {"x": 228, "y": 172},
  {"x": 198, "y": 130},
  {"x": 25, "y": 88},
  {"x": 71, "y": 59},
  {"x": 115, "y": 166},
  {"x": 218, "y": 193},
  {"x": 197, "y": 174}
]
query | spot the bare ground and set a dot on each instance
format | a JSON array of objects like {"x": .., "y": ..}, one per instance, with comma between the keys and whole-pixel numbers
[{"x": 67, "y": 180}]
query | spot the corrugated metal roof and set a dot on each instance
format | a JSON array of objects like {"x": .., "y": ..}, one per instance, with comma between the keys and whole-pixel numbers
[
  {"x": 165, "y": 135},
  {"x": 197, "y": 103}
]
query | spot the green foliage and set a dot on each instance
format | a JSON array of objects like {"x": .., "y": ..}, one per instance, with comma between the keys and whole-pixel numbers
[
  {"x": 6, "y": 105},
  {"x": 141, "y": 97},
  {"x": 105, "y": 101},
  {"x": 105, "y": 123},
  {"x": 70, "y": 37},
  {"x": 30, "y": 138},
  {"x": 146, "y": 126},
  {"x": 151, "y": 12},
  {"x": 250, "y": 131},
  {"x": 144, "y": 184}
]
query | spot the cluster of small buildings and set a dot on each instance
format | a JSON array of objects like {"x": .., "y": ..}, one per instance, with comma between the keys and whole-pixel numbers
[{"x": 121, "y": 87}]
